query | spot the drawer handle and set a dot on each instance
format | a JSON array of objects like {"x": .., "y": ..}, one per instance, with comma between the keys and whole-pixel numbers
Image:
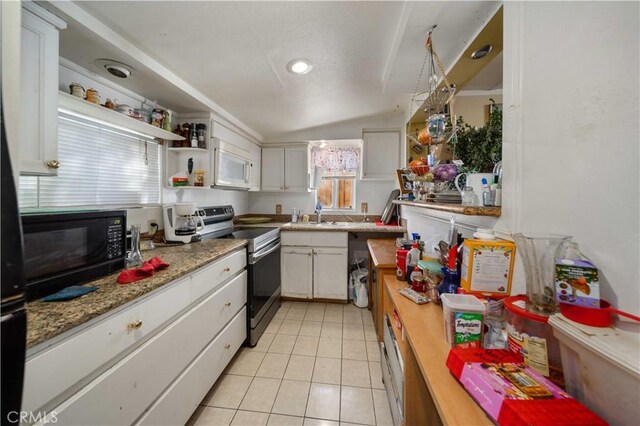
[
  {"x": 227, "y": 304},
  {"x": 134, "y": 325},
  {"x": 227, "y": 269},
  {"x": 227, "y": 346},
  {"x": 53, "y": 164}
]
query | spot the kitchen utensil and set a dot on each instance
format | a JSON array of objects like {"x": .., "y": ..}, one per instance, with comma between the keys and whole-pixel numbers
[
  {"x": 594, "y": 317},
  {"x": 254, "y": 220},
  {"x": 538, "y": 253},
  {"x": 190, "y": 165}
]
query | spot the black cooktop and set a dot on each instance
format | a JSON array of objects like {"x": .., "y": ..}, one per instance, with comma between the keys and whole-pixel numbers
[{"x": 249, "y": 233}]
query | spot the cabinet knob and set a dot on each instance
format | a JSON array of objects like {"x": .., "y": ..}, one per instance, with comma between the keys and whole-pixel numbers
[
  {"x": 309, "y": 254},
  {"x": 53, "y": 164},
  {"x": 227, "y": 269},
  {"x": 134, "y": 325},
  {"x": 227, "y": 346},
  {"x": 282, "y": 187},
  {"x": 286, "y": 187},
  {"x": 227, "y": 304}
]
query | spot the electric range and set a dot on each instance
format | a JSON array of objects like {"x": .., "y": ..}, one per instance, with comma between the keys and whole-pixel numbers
[{"x": 263, "y": 264}]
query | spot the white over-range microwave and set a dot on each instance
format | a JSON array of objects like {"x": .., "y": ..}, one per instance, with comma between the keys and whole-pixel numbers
[{"x": 232, "y": 168}]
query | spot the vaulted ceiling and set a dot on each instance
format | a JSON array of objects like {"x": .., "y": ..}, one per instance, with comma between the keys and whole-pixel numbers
[{"x": 366, "y": 55}]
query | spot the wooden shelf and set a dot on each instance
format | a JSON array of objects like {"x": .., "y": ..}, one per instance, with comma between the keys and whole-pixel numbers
[
  {"x": 423, "y": 328},
  {"x": 454, "y": 208},
  {"x": 97, "y": 113},
  {"x": 185, "y": 149}
]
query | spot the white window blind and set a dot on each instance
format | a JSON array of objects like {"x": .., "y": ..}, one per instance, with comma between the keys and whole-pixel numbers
[{"x": 99, "y": 167}]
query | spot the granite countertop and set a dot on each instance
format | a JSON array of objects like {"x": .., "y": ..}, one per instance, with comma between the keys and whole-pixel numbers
[
  {"x": 46, "y": 320},
  {"x": 342, "y": 227}
]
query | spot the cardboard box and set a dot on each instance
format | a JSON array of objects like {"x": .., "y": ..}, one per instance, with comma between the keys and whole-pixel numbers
[
  {"x": 487, "y": 267},
  {"x": 577, "y": 283}
]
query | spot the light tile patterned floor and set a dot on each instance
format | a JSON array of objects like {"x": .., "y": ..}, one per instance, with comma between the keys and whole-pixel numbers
[{"x": 317, "y": 364}]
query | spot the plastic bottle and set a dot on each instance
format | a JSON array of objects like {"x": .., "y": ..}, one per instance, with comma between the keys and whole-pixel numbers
[{"x": 412, "y": 260}]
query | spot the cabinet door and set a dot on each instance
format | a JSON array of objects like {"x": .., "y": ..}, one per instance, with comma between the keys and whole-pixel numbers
[
  {"x": 380, "y": 153},
  {"x": 273, "y": 169},
  {"x": 39, "y": 100},
  {"x": 255, "y": 156},
  {"x": 297, "y": 272},
  {"x": 296, "y": 169},
  {"x": 330, "y": 276}
]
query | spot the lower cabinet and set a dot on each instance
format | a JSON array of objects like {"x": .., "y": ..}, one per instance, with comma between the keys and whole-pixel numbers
[
  {"x": 297, "y": 272},
  {"x": 315, "y": 265},
  {"x": 198, "y": 326},
  {"x": 330, "y": 275}
]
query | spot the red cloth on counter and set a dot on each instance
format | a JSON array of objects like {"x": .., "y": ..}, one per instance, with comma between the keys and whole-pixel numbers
[{"x": 145, "y": 271}]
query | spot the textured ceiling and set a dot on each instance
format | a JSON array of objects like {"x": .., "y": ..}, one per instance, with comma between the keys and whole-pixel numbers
[{"x": 235, "y": 52}]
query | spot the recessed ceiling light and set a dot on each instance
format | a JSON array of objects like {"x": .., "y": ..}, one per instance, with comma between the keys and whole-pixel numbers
[
  {"x": 481, "y": 52},
  {"x": 299, "y": 66}
]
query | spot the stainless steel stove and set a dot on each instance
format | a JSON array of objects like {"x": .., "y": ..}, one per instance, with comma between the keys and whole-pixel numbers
[{"x": 263, "y": 264}]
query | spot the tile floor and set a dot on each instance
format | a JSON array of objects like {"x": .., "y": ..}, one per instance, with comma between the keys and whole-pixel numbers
[{"x": 317, "y": 364}]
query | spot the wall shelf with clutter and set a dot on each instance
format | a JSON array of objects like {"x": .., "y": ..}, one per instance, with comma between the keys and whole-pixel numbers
[
  {"x": 75, "y": 105},
  {"x": 189, "y": 162}
]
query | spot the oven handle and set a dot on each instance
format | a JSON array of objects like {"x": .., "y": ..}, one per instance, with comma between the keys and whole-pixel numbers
[{"x": 254, "y": 258}]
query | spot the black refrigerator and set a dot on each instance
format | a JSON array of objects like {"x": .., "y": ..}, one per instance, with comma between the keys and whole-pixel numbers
[{"x": 12, "y": 299}]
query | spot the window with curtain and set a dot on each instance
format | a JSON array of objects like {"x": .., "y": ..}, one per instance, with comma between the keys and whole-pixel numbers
[
  {"x": 337, "y": 167},
  {"x": 100, "y": 167}
]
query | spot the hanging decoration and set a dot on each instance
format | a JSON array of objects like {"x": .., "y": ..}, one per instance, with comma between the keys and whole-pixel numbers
[
  {"x": 336, "y": 159},
  {"x": 437, "y": 100}
]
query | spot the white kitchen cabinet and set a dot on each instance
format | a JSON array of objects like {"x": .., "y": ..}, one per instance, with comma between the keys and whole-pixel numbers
[
  {"x": 380, "y": 154},
  {"x": 143, "y": 349},
  {"x": 285, "y": 168},
  {"x": 330, "y": 275},
  {"x": 255, "y": 155},
  {"x": 314, "y": 265},
  {"x": 297, "y": 272},
  {"x": 39, "y": 91}
]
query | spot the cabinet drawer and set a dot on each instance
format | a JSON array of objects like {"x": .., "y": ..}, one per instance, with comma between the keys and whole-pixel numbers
[
  {"x": 215, "y": 274},
  {"x": 177, "y": 404},
  {"x": 221, "y": 307},
  {"x": 50, "y": 373},
  {"x": 314, "y": 239},
  {"x": 124, "y": 391}
]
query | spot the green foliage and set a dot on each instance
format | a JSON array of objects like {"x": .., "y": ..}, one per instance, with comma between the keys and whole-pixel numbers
[{"x": 479, "y": 147}]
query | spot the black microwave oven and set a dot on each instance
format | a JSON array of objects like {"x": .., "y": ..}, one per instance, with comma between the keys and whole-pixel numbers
[{"x": 63, "y": 249}]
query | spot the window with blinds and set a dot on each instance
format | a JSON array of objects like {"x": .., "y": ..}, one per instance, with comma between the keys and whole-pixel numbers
[{"x": 100, "y": 167}]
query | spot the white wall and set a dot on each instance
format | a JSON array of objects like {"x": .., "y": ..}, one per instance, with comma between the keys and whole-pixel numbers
[
  {"x": 571, "y": 132},
  {"x": 375, "y": 193}
]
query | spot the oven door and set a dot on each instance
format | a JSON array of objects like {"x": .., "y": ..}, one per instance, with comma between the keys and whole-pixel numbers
[{"x": 264, "y": 281}]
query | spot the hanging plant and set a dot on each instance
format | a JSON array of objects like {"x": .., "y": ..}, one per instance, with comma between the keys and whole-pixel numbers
[{"x": 479, "y": 147}]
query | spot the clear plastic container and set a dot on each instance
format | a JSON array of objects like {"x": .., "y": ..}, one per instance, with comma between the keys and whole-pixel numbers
[{"x": 463, "y": 320}]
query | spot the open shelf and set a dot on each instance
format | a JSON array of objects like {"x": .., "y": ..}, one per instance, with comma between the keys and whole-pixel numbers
[
  {"x": 186, "y": 149},
  {"x": 187, "y": 187},
  {"x": 454, "y": 208},
  {"x": 94, "y": 112}
]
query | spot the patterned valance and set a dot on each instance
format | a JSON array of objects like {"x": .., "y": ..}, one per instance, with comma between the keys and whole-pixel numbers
[{"x": 336, "y": 158}]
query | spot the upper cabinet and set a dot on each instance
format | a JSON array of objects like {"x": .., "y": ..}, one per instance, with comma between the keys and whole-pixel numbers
[
  {"x": 39, "y": 91},
  {"x": 285, "y": 168},
  {"x": 380, "y": 154}
]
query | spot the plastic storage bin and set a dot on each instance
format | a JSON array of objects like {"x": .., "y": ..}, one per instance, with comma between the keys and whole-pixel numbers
[
  {"x": 602, "y": 367},
  {"x": 529, "y": 334},
  {"x": 463, "y": 320}
]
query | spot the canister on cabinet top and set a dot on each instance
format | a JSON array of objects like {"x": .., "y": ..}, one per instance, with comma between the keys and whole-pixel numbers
[{"x": 401, "y": 263}]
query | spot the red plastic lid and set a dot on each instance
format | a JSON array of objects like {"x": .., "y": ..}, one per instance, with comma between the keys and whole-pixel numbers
[
  {"x": 415, "y": 245},
  {"x": 511, "y": 303}
]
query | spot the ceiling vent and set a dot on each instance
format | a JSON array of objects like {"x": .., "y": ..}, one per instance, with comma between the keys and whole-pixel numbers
[{"x": 115, "y": 68}]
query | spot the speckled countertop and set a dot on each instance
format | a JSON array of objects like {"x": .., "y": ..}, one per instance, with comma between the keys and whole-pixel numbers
[
  {"x": 49, "y": 319},
  {"x": 342, "y": 227},
  {"x": 454, "y": 208}
]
